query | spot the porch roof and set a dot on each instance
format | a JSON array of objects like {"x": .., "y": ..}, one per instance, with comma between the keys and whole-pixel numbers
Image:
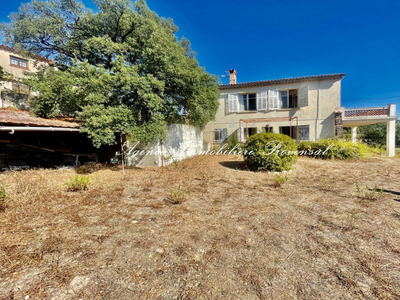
[{"x": 23, "y": 118}]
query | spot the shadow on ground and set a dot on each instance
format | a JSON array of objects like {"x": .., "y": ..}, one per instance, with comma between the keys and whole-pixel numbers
[{"x": 235, "y": 165}]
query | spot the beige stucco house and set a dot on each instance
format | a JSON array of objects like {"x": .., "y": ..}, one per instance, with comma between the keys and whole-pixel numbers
[
  {"x": 12, "y": 92},
  {"x": 305, "y": 108}
]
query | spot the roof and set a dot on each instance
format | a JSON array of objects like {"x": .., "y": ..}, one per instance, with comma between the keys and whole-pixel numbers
[
  {"x": 23, "y": 118},
  {"x": 282, "y": 81},
  {"x": 34, "y": 56}
]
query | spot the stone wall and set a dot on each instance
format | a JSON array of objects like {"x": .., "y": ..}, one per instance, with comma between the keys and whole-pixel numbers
[{"x": 13, "y": 99}]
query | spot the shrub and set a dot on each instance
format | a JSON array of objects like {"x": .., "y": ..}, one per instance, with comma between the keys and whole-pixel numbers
[
  {"x": 335, "y": 148},
  {"x": 79, "y": 183},
  {"x": 177, "y": 196},
  {"x": 270, "y": 152},
  {"x": 2, "y": 198},
  {"x": 233, "y": 141},
  {"x": 280, "y": 180}
]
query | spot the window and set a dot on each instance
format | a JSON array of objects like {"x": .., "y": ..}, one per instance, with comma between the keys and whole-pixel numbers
[
  {"x": 18, "y": 62},
  {"x": 220, "y": 135},
  {"x": 248, "y": 102},
  {"x": 304, "y": 132},
  {"x": 286, "y": 130},
  {"x": 252, "y": 131},
  {"x": 288, "y": 99}
]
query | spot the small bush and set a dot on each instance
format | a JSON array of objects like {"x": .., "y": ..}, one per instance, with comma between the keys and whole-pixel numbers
[
  {"x": 177, "y": 196},
  {"x": 270, "y": 152},
  {"x": 79, "y": 183},
  {"x": 2, "y": 198},
  {"x": 336, "y": 149},
  {"x": 280, "y": 180}
]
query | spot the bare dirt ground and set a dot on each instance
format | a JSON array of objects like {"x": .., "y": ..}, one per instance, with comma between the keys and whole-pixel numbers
[{"x": 231, "y": 234}]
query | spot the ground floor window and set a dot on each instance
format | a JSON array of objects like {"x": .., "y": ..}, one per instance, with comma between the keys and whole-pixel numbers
[
  {"x": 220, "y": 135},
  {"x": 304, "y": 132},
  {"x": 252, "y": 131}
]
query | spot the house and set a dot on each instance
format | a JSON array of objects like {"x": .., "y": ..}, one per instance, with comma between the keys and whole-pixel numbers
[
  {"x": 26, "y": 140},
  {"x": 305, "y": 108},
  {"x": 13, "y": 93}
]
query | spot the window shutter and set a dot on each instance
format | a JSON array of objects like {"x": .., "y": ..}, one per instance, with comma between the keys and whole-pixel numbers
[
  {"x": 262, "y": 99},
  {"x": 303, "y": 96},
  {"x": 273, "y": 99},
  {"x": 241, "y": 103},
  {"x": 224, "y": 134},
  {"x": 233, "y": 102},
  {"x": 304, "y": 133}
]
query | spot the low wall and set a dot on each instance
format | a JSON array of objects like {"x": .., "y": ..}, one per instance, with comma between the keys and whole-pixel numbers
[{"x": 182, "y": 142}]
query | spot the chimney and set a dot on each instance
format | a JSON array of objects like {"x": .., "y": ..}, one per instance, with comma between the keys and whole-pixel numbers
[{"x": 232, "y": 76}]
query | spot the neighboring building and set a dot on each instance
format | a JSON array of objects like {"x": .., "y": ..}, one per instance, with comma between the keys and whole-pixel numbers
[
  {"x": 27, "y": 141},
  {"x": 13, "y": 93},
  {"x": 311, "y": 102}
]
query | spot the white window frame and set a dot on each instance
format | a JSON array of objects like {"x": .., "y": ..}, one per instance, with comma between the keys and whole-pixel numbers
[
  {"x": 221, "y": 134},
  {"x": 247, "y": 101}
]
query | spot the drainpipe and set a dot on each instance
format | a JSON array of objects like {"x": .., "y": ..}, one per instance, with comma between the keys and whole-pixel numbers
[{"x": 317, "y": 117}]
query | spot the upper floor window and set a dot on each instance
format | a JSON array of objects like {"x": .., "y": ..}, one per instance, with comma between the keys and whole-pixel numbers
[
  {"x": 288, "y": 99},
  {"x": 272, "y": 99},
  {"x": 18, "y": 62},
  {"x": 248, "y": 102}
]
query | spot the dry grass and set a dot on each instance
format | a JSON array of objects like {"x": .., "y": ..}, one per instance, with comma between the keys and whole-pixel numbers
[{"x": 235, "y": 236}]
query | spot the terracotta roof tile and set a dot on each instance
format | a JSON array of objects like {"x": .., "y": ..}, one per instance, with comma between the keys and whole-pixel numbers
[
  {"x": 23, "y": 118},
  {"x": 282, "y": 81}
]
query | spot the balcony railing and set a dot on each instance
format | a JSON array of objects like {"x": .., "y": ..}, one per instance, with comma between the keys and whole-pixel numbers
[{"x": 366, "y": 112}]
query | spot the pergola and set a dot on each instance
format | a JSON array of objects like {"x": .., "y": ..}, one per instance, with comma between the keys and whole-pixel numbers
[{"x": 261, "y": 120}]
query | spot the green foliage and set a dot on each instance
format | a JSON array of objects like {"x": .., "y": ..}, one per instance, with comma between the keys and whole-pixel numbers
[
  {"x": 260, "y": 155},
  {"x": 79, "y": 183},
  {"x": 233, "y": 141},
  {"x": 280, "y": 180},
  {"x": 121, "y": 68},
  {"x": 4, "y": 76},
  {"x": 369, "y": 194},
  {"x": 335, "y": 149},
  {"x": 2, "y": 198},
  {"x": 177, "y": 196},
  {"x": 375, "y": 134}
]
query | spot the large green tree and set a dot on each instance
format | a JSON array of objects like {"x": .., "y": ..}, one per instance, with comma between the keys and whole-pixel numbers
[{"x": 120, "y": 69}]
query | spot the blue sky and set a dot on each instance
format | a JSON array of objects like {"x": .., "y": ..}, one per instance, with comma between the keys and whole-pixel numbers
[{"x": 289, "y": 38}]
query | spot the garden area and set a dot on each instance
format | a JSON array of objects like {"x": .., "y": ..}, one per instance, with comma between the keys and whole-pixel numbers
[{"x": 208, "y": 228}]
